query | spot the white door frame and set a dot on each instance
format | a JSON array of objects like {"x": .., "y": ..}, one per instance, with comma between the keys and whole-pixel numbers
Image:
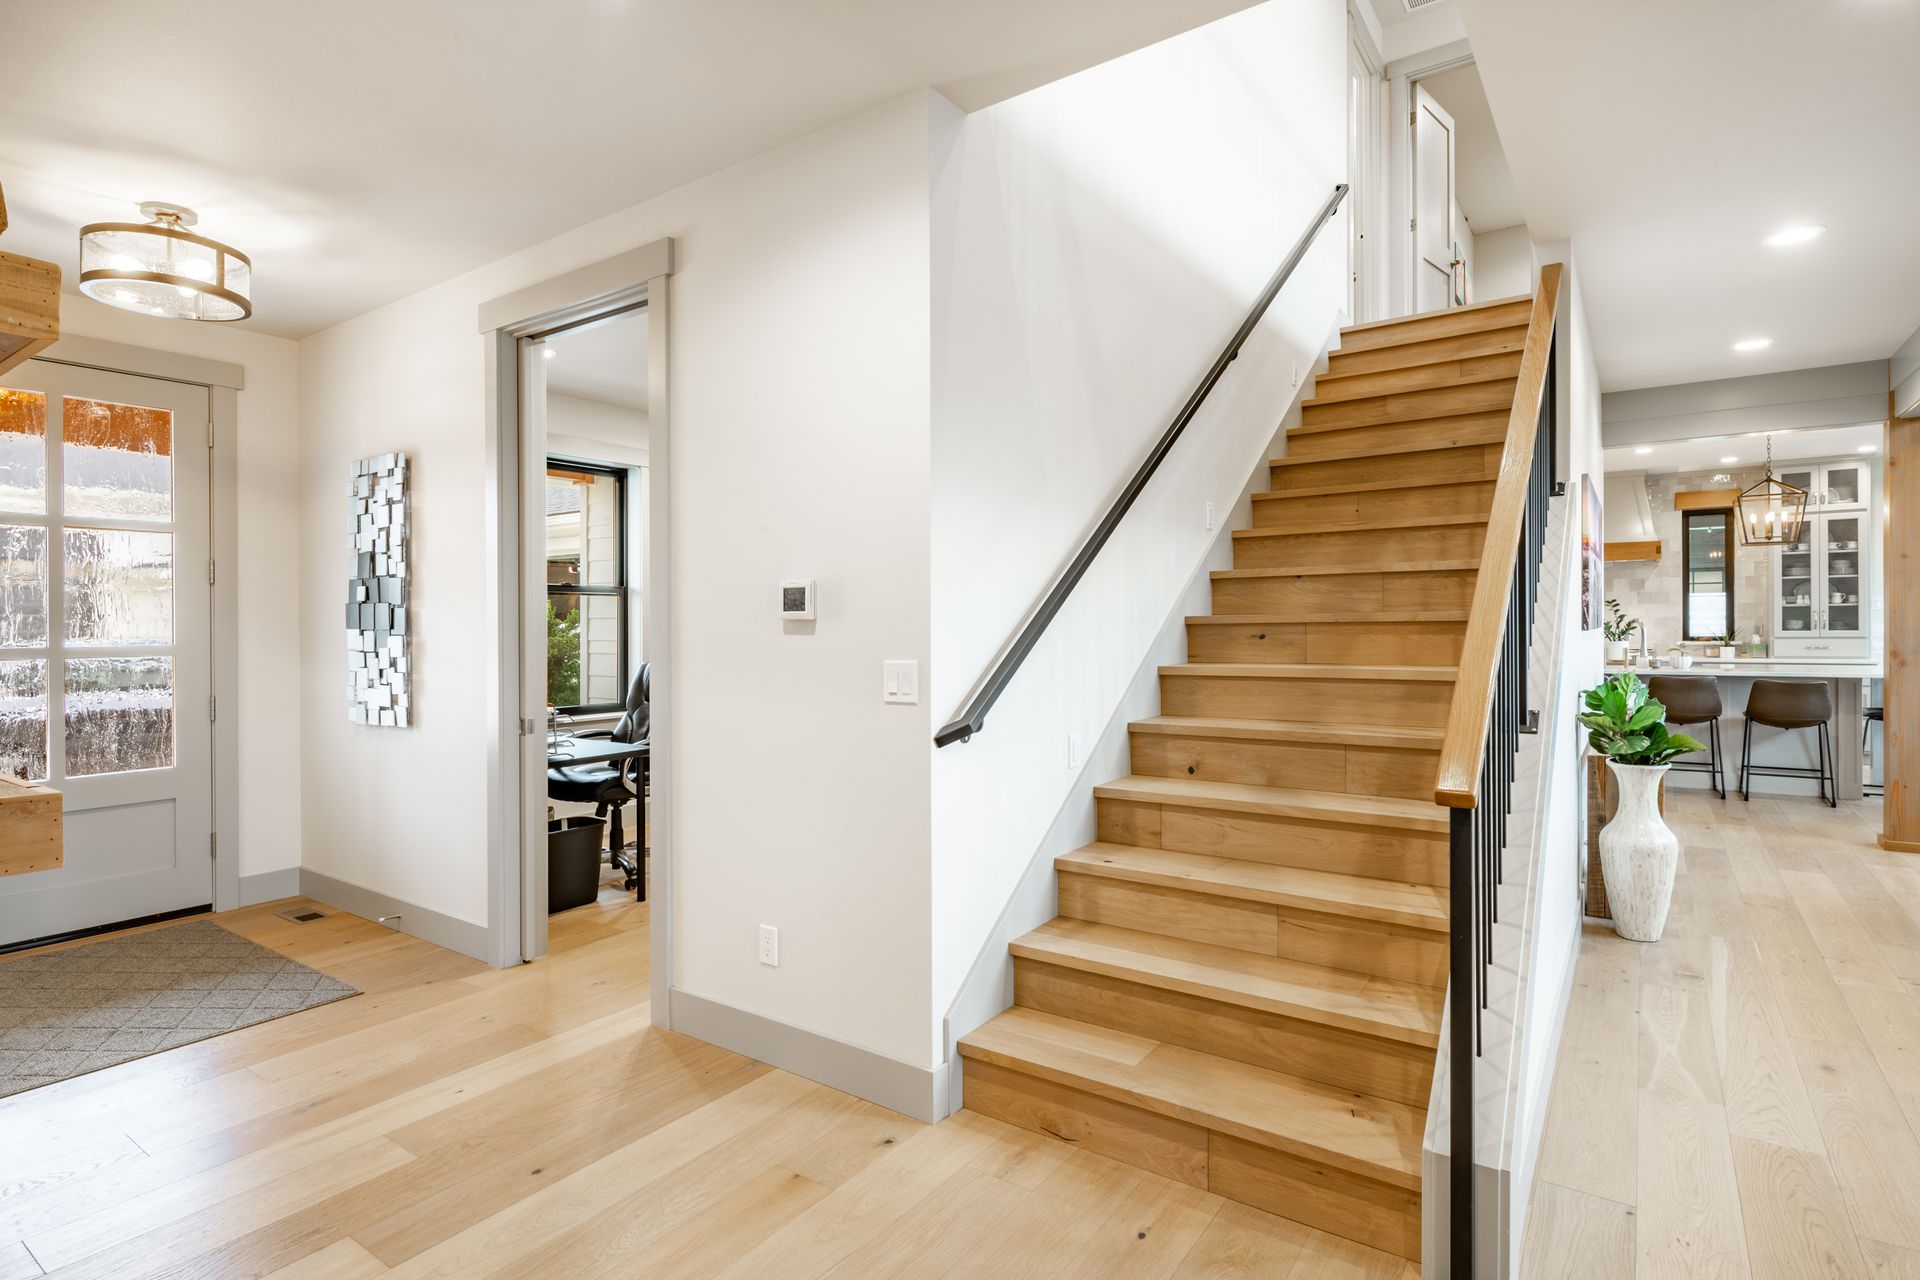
[
  {"x": 1401, "y": 77},
  {"x": 1367, "y": 175},
  {"x": 516, "y": 913},
  {"x": 223, "y": 382}
]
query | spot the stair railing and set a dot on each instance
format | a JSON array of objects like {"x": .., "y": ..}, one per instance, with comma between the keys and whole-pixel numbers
[
  {"x": 1484, "y": 724},
  {"x": 972, "y": 713}
]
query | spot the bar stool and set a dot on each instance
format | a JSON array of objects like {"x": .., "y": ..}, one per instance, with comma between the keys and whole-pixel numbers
[
  {"x": 1694, "y": 700},
  {"x": 1791, "y": 704}
]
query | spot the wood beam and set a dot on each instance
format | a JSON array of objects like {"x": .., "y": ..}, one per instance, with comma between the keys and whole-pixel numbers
[{"x": 1900, "y": 829}]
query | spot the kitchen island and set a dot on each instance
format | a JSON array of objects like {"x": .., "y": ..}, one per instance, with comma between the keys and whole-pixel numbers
[{"x": 1776, "y": 748}]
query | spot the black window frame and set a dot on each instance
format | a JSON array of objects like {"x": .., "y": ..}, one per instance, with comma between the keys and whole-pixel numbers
[
  {"x": 618, "y": 590},
  {"x": 1727, "y": 517}
]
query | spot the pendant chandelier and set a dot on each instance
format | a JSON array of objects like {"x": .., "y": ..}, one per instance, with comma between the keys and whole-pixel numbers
[
  {"x": 161, "y": 268},
  {"x": 1772, "y": 511}
]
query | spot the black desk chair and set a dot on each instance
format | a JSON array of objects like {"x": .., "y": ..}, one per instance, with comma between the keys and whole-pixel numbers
[{"x": 608, "y": 787}]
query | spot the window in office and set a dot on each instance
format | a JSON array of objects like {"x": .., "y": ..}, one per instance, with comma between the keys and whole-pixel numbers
[
  {"x": 586, "y": 587},
  {"x": 1707, "y": 590}
]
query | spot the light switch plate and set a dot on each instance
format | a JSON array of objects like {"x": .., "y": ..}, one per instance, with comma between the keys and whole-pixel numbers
[{"x": 900, "y": 680}]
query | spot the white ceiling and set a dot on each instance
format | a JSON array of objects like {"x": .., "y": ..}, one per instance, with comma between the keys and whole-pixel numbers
[
  {"x": 1667, "y": 139},
  {"x": 604, "y": 361},
  {"x": 1710, "y": 453},
  {"x": 359, "y": 150},
  {"x": 1486, "y": 192}
]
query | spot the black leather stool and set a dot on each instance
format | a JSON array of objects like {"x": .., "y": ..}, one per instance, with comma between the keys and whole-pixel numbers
[
  {"x": 1792, "y": 704},
  {"x": 1694, "y": 700}
]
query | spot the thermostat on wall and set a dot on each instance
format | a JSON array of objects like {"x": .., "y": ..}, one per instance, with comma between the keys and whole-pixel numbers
[{"x": 796, "y": 600}]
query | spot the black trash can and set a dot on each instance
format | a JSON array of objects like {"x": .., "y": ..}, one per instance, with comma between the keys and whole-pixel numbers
[{"x": 573, "y": 862}]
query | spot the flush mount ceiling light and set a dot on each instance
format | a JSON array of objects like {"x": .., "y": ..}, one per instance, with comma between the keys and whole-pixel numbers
[
  {"x": 1772, "y": 511},
  {"x": 161, "y": 268},
  {"x": 1729, "y": 459},
  {"x": 1753, "y": 344},
  {"x": 1787, "y": 237},
  {"x": 1644, "y": 449},
  {"x": 1867, "y": 448}
]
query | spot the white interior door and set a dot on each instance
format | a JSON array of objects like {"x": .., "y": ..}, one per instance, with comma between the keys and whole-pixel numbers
[
  {"x": 1434, "y": 261},
  {"x": 105, "y": 640}
]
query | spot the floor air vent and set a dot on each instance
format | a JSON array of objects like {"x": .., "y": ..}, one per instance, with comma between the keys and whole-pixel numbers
[{"x": 301, "y": 915}]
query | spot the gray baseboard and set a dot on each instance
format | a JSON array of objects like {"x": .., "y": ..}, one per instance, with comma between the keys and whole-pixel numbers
[
  {"x": 463, "y": 936},
  {"x": 268, "y": 886},
  {"x": 919, "y": 1092}
]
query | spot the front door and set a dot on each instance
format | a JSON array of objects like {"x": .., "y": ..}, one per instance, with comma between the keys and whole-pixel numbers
[
  {"x": 105, "y": 640},
  {"x": 1435, "y": 263}
]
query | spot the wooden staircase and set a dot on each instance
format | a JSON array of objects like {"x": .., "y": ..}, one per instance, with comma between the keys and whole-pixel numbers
[{"x": 1243, "y": 987}]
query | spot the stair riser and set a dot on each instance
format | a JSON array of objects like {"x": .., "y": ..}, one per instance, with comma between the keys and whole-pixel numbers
[
  {"x": 1444, "y": 324},
  {"x": 1412, "y": 704},
  {"x": 1387, "y": 548},
  {"x": 1345, "y": 363},
  {"x": 1359, "y": 592},
  {"x": 1381, "y": 853},
  {"x": 1463, "y": 429},
  {"x": 1409, "y": 406},
  {"x": 1414, "y": 376},
  {"x": 1333, "y": 1200},
  {"x": 1354, "y": 770},
  {"x": 1412, "y": 643},
  {"x": 1372, "y": 1065},
  {"x": 1340, "y": 942},
  {"x": 1432, "y": 466},
  {"x": 1335, "y": 509}
]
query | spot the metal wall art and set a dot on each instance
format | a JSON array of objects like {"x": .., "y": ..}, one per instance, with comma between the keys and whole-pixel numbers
[{"x": 377, "y": 668}]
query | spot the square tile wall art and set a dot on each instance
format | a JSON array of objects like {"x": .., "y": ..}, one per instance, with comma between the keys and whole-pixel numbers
[{"x": 377, "y": 674}]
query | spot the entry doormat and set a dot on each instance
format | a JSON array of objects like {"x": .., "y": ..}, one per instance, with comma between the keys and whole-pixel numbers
[{"x": 65, "y": 1013}]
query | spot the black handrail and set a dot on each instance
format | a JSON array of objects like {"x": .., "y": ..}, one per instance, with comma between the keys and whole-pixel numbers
[{"x": 993, "y": 682}]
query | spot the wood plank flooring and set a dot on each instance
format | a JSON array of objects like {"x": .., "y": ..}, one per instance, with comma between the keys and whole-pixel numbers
[
  {"x": 1742, "y": 1098},
  {"x": 455, "y": 1121}
]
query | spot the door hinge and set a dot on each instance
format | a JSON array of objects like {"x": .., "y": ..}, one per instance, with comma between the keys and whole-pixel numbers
[
  {"x": 1413, "y": 117},
  {"x": 1412, "y": 223},
  {"x": 209, "y": 572},
  {"x": 213, "y": 708},
  {"x": 213, "y": 845},
  {"x": 209, "y": 433}
]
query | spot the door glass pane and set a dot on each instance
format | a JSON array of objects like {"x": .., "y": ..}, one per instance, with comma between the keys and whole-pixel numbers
[
  {"x": 23, "y": 720},
  {"x": 583, "y": 529},
  {"x": 119, "y": 587},
  {"x": 1843, "y": 572},
  {"x": 23, "y": 451},
  {"x": 1843, "y": 486},
  {"x": 23, "y": 587},
  {"x": 1796, "y": 581},
  {"x": 117, "y": 460},
  {"x": 1802, "y": 479},
  {"x": 119, "y": 714}
]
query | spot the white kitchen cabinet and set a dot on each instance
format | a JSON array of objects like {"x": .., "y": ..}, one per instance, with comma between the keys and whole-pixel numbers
[
  {"x": 1832, "y": 486},
  {"x": 1822, "y": 601}
]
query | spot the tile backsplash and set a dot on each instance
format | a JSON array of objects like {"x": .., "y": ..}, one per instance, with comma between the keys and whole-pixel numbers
[{"x": 1650, "y": 589}]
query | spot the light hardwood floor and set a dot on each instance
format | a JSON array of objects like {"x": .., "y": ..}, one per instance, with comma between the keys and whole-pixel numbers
[
  {"x": 1742, "y": 1098},
  {"x": 460, "y": 1122}
]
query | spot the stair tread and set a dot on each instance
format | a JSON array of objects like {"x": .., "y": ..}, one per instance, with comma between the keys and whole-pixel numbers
[
  {"x": 1416, "y": 906},
  {"x": 1310, "y": 670},
  {"x": 1400, "y": 1011},
  {"x": 1465, "y": 379},
  {"x": 1445, "y": 371},
  {"x": 1371, "y": 486},
  {"x": 1498, "y": 417},
  {"x": 1288, "y": 730},
  {"x": 1323, "y": 570},
  {"x": 1378, "y": 451},
  {"x": 1396, "y": 522},
  {"x": 1466, "y": 309},
  {"x": 1366, "y": 1136},
  {"x": 1286, "y": 802}
]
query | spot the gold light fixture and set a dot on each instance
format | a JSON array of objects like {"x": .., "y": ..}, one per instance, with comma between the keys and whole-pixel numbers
[
  {"x": 161, "y": 268},
  {"x": 1772, "y": 511}
]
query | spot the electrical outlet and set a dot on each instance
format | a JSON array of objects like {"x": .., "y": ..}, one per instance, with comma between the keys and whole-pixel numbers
[
  {"x": 769, "y": 945},
  {"x": 1209, "y": 515},
  {"x": 1073, "y": 751}
]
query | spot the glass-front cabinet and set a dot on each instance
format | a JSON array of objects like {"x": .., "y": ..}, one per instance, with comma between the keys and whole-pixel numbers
[
  {"x": 1832, "y": 486},
  {"x": 1822, "y": 606}
]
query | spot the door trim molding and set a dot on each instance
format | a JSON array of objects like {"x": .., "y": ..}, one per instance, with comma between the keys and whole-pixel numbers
[
  {"x": 169, "y": 366},
  {"x": 613, "y": 284}
]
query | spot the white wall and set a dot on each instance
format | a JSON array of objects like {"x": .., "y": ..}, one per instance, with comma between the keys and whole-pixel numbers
[
  {"x": 1096, "y": 242},
  {"x": 268, "y": 585},
  {"x": 799, "y": 380},
  {"x": 594, "y": 431},
  {"x": 1502, "y": 264}
]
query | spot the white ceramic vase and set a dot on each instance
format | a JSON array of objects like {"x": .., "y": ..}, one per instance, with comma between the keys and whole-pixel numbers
[
  {"x": 1639, "y": 854},
  {"x": 1616, "y": 651}
]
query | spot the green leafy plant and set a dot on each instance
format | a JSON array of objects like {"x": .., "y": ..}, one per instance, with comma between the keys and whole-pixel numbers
[
  {"x": 1618, "y": 628},
  {"x": 1728, "y": 638},
  {"x": 563, "y": 658},
  {"x": 1629, "y": 727}
]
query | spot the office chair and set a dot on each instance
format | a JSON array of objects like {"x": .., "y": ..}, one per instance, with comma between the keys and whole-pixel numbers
[{"x": 608, "y": 787}]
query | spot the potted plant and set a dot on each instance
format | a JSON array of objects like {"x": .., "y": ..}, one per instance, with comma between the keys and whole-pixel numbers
[
  {"x": 1618, "y": 629},
  {"x": 1727, "y": 646},
  {"x": 1638, "y": 852},
  {"x": 1681, "y": 655}
]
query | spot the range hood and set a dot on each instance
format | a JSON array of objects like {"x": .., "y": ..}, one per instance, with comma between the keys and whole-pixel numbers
[{"x": 1629, "y": 532}]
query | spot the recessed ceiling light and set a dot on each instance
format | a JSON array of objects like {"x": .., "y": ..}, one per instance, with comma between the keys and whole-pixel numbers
[
  {"x": 1868, "y": 448},
  {"x": 1753, "y": 344},
  {"x": 1729, "y": 460},
  {"x": 1787, "y": 237},
  {"x": 1645, "y": 448},
  {"x": 548, "y": 352}
]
